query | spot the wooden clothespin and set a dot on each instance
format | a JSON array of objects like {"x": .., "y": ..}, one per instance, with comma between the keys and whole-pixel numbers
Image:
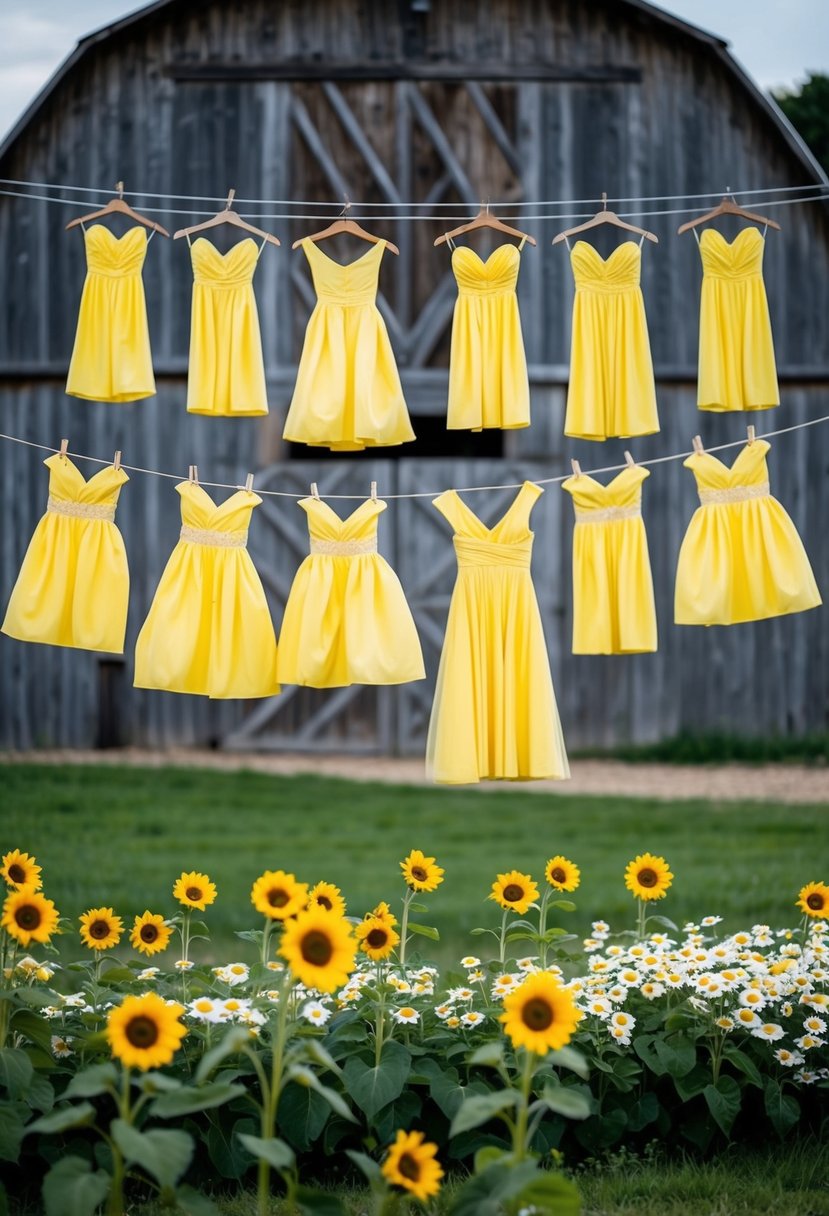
[
  {"x": 629, "y": 461},
  {"x": 698, "y": 448},
  {"x": 374, "y": 491},
  {"x": 249, "y": 483},
  {"x": 116, "y": 462},
  {"x": 315, "y": 491},
  {"x": 576, "y": 468},
  {"x": 64, "y": 447},
  {"x": 193, "y": 474},
  {"x": 751, "y": 434},
  {"x": 230, "y": 197}
]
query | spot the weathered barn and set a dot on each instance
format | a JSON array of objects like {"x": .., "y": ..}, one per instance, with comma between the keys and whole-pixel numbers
[{"x": 428, "y": 100}]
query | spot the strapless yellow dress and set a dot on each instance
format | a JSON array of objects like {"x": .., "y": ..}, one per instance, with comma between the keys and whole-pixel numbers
[
  {"x": 73, "y": 586},
  {"x": 488, "y": 383},
  {"x": 611, "y": 389},
  {"x": 111, "y": 359}
]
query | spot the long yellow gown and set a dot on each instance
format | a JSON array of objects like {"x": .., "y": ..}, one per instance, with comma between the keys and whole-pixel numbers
[
  {"x": 73, "y": 586},
  {"x": 613, "y": 603},
  {"x": 209, "y": 630},
  {"x": 348, "y": 394},
  {"x": 346, "y": 620},
  {"x": 611, "y": 389},
  {"x": 488, "y": 383},
  {"x": 111, "y": 359},
  {"x": 494, "y": 713},
  {"x": 226, "y": 374},
  {"x": 737, "y": 370},
  {"x": 741, "y": 559}
]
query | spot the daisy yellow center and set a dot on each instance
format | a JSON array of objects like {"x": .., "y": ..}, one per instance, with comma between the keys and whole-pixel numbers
[
  {"x": 193, "y": 893},
  {"x": 17, "y": 873},
  {"x": 141, "y": 1032},
  {"x": 324, "y": 902},
  {"x": 408, "y": 1167},
  {"x": 27, "y": 917},
  {"x": 316, "y": 948},
  {"x": 815, "y": 901},
  {"x": 537, "y": 1014},
  {"x": 419, "y": 873},
  {"x": 99, "y": 929},
  {"x": 647, "y": 877},
  {"x": 512, "y": 892},
  {"x": 377, "y": 938},
  {"x": 149, "y": 933},
  {"x": 278, "y": 897},
  {"x": 558, "y": 874}
]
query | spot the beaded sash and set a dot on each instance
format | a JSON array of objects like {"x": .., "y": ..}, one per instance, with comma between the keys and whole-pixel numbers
[
  {"x": 212, "y": 536},
  {"x": 734, "y": 493},
  {"x": 605, "y": 514},
  {"x": 344, "y": 548},
  {"x": 81, "y": 510}
]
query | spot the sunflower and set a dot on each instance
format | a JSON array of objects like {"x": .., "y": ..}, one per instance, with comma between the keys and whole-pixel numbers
[
  {"x": 411, "y": 1163},
  {"x": 814, "y": 900},
  {"x": 320, "y": 948},
  {"x": 327, "y": 896},
  {"x": 540, "y": 1014},
  {"x": 561, "y": 874},
  {"x": 648, "y": 877},
  {"x": 28, "y": 916},
  {"x": 145, "y": 1032},
  {"x": 377, "y": 938},
  {"x": 20, "y": 870},
  {"x": 383, "y": 912},
  {"x": 194, "y": 890},
  {"x": 420, "y": 872},
  {"x": 101, "y": 929},
  {"x": 149, "y": 933},
  {"x": 278, "y": 895},
  {"x": 514, "y": 892}
]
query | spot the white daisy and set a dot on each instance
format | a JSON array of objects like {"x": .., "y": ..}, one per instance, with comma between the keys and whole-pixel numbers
[
  {"x": 60, "y": 1047},
  {"x": 470, "y": 961},
  {"x": 406, "y": 1016},
  {"x": 472, "y": 1018},
  {"x": 790, "y": 1059},
  {"x": 768, "y": 1030},
  {"x": 315, "y": 1012}
]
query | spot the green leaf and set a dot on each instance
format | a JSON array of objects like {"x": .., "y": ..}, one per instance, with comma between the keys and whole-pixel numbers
[
  {"x": 157, "y": 1083},
  {"x": 227, "y": 1155},
  {"x": 193, "y": 1203},
  {"x": 570, "y": 1058},
  {"x": 665, "y": 922},
  {"x": 186, "y": 1101},
  {"x": 11, "y": 1132},
  {"x": 677, "y": 1053},
  {"x": 33, "y": 1027},
  {"x": 478, "y": 932},
  {"x": 693, "y": 1083},
  {"x": 552, "y": 1194},
  {"x": 366, "y": 1165},
  {"x": 306, "y": 1076},
  {"x": 445, "y": 1088},
  {"x": 565, "y": 905},
  {"x": 92, "y": 1081},
  {"x": 743, "y": 1063},
  {"x": 643, "y": 1112},
  {"x": 483, "y": 1194},
  {"x": 317, "y": 1203},
  {"x": 302, "y": 1114},
  {"x": 64, "y": 1118},
  {"x": 489, "y": 1054},
  {"x": 230, "y": 1045},
  {"x": 480, "y": 1108},
  {"x": 34, "y": 998},
  {"x": 15, "y": 1071},
  {"x": 723, "y": 1100},
  {"x": 71, "y": 1189},
  {"x": 165, "y": 1154},
  {"x": 424, "y": 931},
  {"x": 249, "y": 935},
  {"x": 415, "y": 907},
  {"x": 319, "y": 1054},
  {"x": 40, "y": 1095},
  {"x": 782, "y": 1109},
  {"x": 276, "y": 1152},
  {"x": 372, "y": 1088},
  {"x": 522, "y": 936},
  {"x": 565, "y": 1100}
]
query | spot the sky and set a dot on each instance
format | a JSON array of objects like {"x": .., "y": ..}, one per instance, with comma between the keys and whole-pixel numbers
[{"x": 778, "y": 41}]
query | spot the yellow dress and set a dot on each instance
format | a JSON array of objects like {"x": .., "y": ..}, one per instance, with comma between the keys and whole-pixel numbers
[
  {"x": 226, "y": 374},
  {"x": 348, "y": 393},
  {"x": 613, "y": 602},
  {"x": 488, "y": 383},
  {"x": 494, "y": 713},
  {"x": 741, "y": 559},
  {"x": 111, "y": 359},
  {"x": 346, "y": 620},
  {"x": 209, "y": 629},
  {"x": 611, "y": 389},
  {"x": 73, "y": 586},
  {"x": 736, "y": 352}
]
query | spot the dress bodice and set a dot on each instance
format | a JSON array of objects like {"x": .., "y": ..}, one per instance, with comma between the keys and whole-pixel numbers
[
  {"x": 497, "y": 275},
  {"x": 347, "y": 285},
  {"x": 110, "y": 255},
  {"x": 508, "y": 543},
  {"x": 749, "y": 469},
  {"x": 618, "y": 272},
  {"x": 67, "y": 483},
  {"x": 324, "y": 524},
  {"x": 232, "y": 269},
  {"x": 623, "y": 493},
  {"x": 742, "y": 258},
  {"x": 198, "y": 510}
]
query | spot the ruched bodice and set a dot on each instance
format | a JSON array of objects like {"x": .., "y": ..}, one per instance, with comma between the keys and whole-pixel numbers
[
  {"x": 348, "y": 285},
  {"x": 111, "y": 255},
  {"x": 232, "y": 269},
  {"x": 67, "y": 484},
  {"x": 739, "y": 259},
  {"x": 325, "y": 524},
  {"x": 749, "y": 468},
  {"x": 490, "y": 553},
  {"x": 198, "y": 510},
  {"x": 618, "y": 272},
  {"x": 476, "y": 277}
]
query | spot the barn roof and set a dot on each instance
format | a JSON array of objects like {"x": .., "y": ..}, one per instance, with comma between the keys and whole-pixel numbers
[{"x": 718, "y": 46}]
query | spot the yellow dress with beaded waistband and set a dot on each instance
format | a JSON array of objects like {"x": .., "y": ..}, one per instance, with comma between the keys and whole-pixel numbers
[
  {"x": 209, "y": 629},
  {"x": 73, "y": 586},
  {"x": 613, "y": 602},
  {"x": 346, "y": 620},
  {"x": 742, "y": 558},
  {"x": 494, "y": 715}
]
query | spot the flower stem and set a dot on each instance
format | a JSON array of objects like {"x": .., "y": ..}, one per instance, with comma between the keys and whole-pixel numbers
[
  {"x": 502, "y": 954},
  {"x": 270, "y": 1100},
  {"x": 519, "y": 1136},
  {"x": 404, "y": 927},
  {"x": 542, "y": 928},
  {"x": 115, "y": 1207},
  {"x": 641, "y": 920}
]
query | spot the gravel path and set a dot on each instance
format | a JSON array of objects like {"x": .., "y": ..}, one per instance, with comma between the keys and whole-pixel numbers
[{"x": 787, "y": 783}]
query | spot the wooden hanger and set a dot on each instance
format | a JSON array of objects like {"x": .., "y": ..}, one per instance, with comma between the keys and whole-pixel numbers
[
  {"x": 118, "y": 205},
  {"x": 344, "y": 224},
  {"x": 605, "y": 217},
  {"x": 728, "y": 206},
  {"x": 227, "y": 216},
  {"x": 485, "y": 219}
]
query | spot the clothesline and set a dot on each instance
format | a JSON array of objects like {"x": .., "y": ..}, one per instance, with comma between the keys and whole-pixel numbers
[{"x": 540, "y": 481}]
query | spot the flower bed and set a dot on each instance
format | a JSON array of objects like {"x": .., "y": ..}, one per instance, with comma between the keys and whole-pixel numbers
[{"x": 330, "y": 1051}]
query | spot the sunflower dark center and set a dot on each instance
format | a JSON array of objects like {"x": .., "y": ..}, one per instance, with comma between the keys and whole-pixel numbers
[
  {"x": 815, "y": 901},
  {"x": 409, "y": 1167},
  {"x": 17, "y": 873},
  {"x": 316, "y": 948},
  {"x": 324, "y": 902},
  {"x": 278, "y": 897},
  {"x": 537, "y": 1014},
  {"x": 141, "y": 1031},
  {"x": 377, "y": 938},
  {"x": 194, "y": 893},
  {"x": 27, "y": 917},
  {"x": 149, "y": 933},
  {"x": 99, "y": 929},
  {"x": 558, "y": 874},
  {"x": 647, "y": 877},
  {"x": 419, "y": 873},
  {"x": 512, "y": 892}
]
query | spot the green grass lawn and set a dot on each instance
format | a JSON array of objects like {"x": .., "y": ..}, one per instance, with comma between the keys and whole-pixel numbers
[{"x": 121, "y": 836}]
